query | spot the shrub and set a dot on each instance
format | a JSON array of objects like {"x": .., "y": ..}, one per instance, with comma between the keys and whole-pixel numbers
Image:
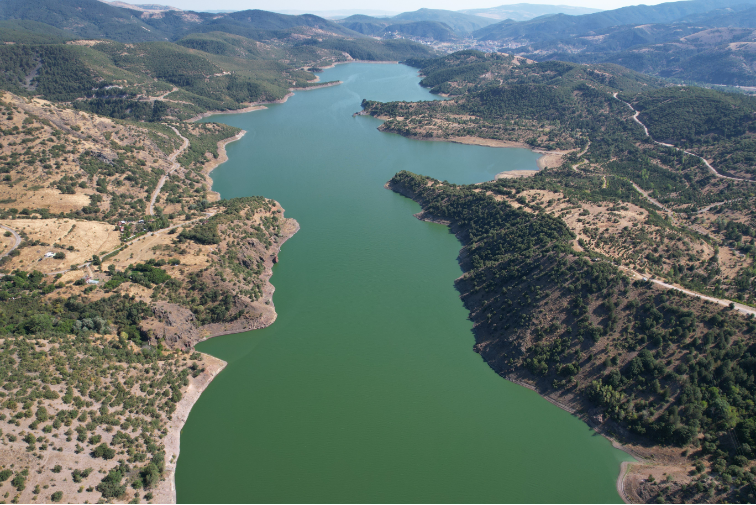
[
  {"x": 110, "y": 486},
  {"x": 104, "y": 452}
]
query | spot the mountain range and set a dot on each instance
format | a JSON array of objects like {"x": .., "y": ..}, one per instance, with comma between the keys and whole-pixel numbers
[
  {"x": 710, "y": 42},
  {"x": 524, "y": 11}
]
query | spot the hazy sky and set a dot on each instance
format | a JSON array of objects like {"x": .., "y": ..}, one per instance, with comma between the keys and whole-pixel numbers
[{"x": 384, "y": 5}]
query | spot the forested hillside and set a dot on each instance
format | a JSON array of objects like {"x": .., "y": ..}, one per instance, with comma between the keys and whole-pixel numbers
[
  {"x": 568, "y": 272},
  {"x": 699, "y": 41},
  {"x": 115, "y": 257},
  {"x": 692, "y": 41},
  {"x": 111, "y": 236},
  {"x": 651, "y": 366}
]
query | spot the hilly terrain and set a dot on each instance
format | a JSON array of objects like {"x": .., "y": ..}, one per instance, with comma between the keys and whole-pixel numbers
[
  {"x": 92, "y": 19},
  {"x": 115, "y": 250},
  {"x": 216, "y": 69},
  {"x": 618, "y": 281},
  {"x": 696, "y": 41},
  {"x": 116, "y": 257},
  {"x": 692, "y": 41},
  {"x": 431, "y": 24}
]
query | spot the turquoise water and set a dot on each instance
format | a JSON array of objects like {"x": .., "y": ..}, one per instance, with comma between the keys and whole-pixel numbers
[{"x": 366, "y": 388}]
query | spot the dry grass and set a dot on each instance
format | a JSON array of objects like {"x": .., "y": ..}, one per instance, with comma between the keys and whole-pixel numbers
[{"x": 86, "y": 237}]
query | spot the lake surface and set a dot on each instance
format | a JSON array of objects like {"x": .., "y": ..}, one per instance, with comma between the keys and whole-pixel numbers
[{"x": 366, "y": 388}]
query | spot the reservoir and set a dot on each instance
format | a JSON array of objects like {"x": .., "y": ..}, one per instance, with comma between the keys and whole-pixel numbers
[{"x": 366, "y": 388}]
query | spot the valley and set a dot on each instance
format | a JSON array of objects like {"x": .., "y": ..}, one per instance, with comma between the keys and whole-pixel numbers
[{"x": 556, "y": 196}]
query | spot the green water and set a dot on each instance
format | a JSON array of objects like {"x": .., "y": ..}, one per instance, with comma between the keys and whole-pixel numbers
[{"x": 366, "y": 388}]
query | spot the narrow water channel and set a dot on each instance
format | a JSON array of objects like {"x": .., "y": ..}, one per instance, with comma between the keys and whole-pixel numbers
[{"x": 366, "y": 388}]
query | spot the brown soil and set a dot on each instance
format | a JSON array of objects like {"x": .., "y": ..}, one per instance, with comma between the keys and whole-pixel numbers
[
  {"x": 57, "y": 450},
  {"x": 513, "y": 174},
  {"x": 86, "y": 237}
]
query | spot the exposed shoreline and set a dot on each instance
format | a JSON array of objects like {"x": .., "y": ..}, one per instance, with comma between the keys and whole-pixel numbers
[
  {"x": 513, "y": 174},
  {"x": 625, "y": 466},
  {"x": 250, "y": 108},
  {"x": 360, "y": 61},
  {"x": 165, "y": 492},
  {"x": 261, "y": 105},
  {"x": 214, "y": 196},
  {"x": 548, "y": 159},
  {"x": 317, "y": 86},
  {"x": 254, "y": 106}
]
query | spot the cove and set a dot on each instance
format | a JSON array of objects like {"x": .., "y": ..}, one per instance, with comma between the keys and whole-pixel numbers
[{"x": 366, "y": 388}]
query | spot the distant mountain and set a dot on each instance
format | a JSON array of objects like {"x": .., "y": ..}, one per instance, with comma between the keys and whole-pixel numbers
[
  {"x": 264, "y": 20},
  {"x": 524, "y": 12},
  {"x": 423, "y": 29},
  {"x": 562, "y": 26},
  {"x": 440, "y": 25},
  {"x": 713, "y": 47},
  {"x": 724, "y": 56},
  {"x": 460, "y": 22},
  {"x": 86, "y": 18},
  {"x": 141, "y": 7},
  {"x": 741, "y": 17},
  {"x": 93, "y": 19},
  {"x": 342, "y": 13},
  {"x": 377, "y": 27}
]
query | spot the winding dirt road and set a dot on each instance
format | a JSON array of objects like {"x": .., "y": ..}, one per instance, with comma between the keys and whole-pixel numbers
[
  {"x": 175, "y": 165},
  {"x": 16, "y": 237},
  {"x": 645, "y": 129},
  {"x": 745, "y": 309}
]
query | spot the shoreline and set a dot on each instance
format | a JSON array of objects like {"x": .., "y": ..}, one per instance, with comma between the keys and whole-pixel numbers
[
  {"x": 318, "y": 86},
  {"x": 383, "y": 62},
  {"x": 251, "y": 108},
  {"x": 165, "y": 491},
  {"x": 255, "y": 106},
  {"x": 548, "y": 159},
  {"x": 214, "y": 196},
  {"x": 625, "y": 466},
  {"x": 514, "y": 174},
  {"x": 624, "y": 470},
  {"x": 212, "y": 330}
]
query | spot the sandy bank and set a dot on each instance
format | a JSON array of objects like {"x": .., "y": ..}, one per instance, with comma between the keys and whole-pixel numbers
[
  {"x": 318, "y": 86},
  {"x": 513, "y": 174},
  {"x": 165, "y": 492},
  {"x": 214, "y": 196},
  {"x": 261, "y": 105},
  {"x": 548, "y": 159},
  {"x": 251, "y": 108},
  {"x": 360, "y": 61}
]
